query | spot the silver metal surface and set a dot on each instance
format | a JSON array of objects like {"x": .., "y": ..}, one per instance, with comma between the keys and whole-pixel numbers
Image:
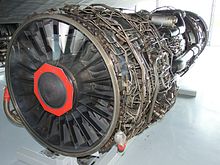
[{"x": 164, "y": 20}]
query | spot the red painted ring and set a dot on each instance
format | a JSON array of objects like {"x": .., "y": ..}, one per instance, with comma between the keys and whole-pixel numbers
[{"x": 67, "y": 106}]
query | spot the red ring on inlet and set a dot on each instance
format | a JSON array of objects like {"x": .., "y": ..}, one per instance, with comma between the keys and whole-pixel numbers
[{"x": 67, "y": 106}]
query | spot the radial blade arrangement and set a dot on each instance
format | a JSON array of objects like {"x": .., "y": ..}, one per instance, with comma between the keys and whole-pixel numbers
[{"x": 84, "y": 78}]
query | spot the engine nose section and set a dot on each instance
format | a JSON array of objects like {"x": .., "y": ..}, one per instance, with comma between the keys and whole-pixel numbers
[{"x": 53, "y": 89}]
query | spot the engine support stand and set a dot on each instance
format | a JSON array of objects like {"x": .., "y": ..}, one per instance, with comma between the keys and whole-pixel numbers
[{"x": 186, "y": 91}]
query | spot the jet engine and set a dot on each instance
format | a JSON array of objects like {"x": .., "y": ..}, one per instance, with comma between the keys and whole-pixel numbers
[{"x": 81, "y": 79}]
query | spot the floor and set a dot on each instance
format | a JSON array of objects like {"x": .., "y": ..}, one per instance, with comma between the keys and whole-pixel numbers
[{"x": 188, "y": 134}]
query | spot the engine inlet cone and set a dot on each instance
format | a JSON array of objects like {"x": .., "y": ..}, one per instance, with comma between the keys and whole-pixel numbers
[{"x": 53, "y": 89}]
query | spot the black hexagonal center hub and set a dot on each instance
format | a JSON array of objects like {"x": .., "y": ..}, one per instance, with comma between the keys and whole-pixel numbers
[{"x": 52, "y": 90}]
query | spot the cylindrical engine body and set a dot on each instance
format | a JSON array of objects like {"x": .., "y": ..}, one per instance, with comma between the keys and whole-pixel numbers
[{"x": 77, "y": 76}]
